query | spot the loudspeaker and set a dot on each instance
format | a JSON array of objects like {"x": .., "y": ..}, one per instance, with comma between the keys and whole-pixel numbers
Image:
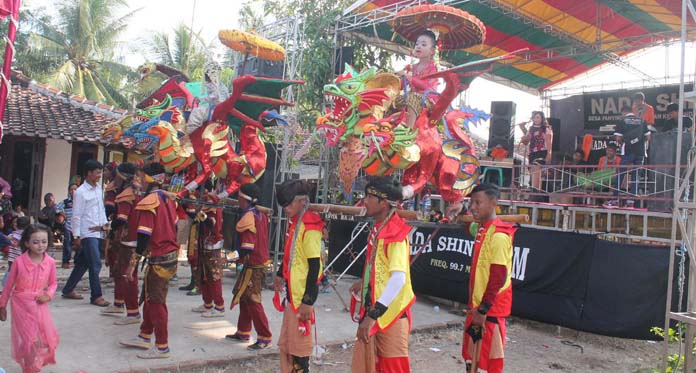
[
  {"x": 344, "y": 55},
  {"x": 259, "y": 67},
  {"x": 501, "y": 131},
  {"x": 555, "y": 124}
]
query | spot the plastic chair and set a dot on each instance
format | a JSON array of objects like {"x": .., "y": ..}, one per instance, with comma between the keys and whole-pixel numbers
[{"x": 488, "y": 176}]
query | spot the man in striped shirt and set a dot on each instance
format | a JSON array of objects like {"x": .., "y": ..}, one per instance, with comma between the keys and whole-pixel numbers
[{"x": 65, "y": 208}]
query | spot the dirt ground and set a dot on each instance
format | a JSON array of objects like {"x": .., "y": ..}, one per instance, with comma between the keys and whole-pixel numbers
[
  {"x": 435, "y": 345},
  {"x": 531, "y": 348}
]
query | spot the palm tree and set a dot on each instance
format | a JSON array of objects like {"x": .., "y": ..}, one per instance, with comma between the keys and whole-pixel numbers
[
  {"x": 249, "y": 18},
  {"x": 78, "y": 50},
  {"x": 186, "y": 51}
]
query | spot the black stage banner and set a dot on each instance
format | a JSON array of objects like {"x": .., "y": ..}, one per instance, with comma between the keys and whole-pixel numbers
[
  {"x": 563, "y": 278},
  {"x": 603, "y": 108}
]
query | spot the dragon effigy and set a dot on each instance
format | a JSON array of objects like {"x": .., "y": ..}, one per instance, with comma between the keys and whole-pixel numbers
[
  {"x": 191, "y": 127},
  {"x": 205, "y": 149},
  {"x": 380, "y": 144},
  {"x": 372, "y": 117}
]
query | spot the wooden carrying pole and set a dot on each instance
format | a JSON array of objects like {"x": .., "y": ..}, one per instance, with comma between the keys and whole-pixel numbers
[
  {"x": 523, "y": 218},
  {"x": 357, "y": 210}
]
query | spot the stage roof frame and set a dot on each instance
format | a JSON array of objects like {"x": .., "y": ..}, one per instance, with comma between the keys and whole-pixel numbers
[{"x": 565, "y": 39}]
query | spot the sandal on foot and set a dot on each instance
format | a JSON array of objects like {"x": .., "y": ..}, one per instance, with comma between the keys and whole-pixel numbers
[
  {"x": 100, "y": 302},
  {"x": 73, "y": 295}
]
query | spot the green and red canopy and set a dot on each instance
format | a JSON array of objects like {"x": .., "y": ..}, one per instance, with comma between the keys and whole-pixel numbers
[{"x": 564, "y": 38}]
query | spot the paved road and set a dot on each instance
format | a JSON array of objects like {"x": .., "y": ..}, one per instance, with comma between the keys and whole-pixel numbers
[{"x": 89, "y": 341}]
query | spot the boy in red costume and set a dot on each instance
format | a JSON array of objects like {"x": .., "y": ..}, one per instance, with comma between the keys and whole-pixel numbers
[
  {"x": 490, "y": 282},
  {"x": 123, "y": 246},
  {"x": 252, "y": 245},
  {"x": 157, "y": 242},
  {"x": 385, "y": 290},
  {"x": 298, "y": 275},
  {"x": 206, "y": 235}
]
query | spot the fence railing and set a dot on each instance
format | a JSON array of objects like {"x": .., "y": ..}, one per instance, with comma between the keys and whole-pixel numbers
[{"x": 649, "y": 186}]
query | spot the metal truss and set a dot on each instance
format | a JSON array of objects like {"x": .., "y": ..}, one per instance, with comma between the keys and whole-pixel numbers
[
  {"x": 684, "y": 224},
  {"x": 352, "y": 21},
  {"x": 555, "y": 93},
  {"x": 289, "y": 33}
]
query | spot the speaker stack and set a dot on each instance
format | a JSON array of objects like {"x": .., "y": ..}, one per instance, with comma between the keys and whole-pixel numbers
[
  {"x": 501, "y": 131},
  {"x": 344, "y": 55},
  {"x": 259, "y": 67},
  {"x": 555, "y": 124}
]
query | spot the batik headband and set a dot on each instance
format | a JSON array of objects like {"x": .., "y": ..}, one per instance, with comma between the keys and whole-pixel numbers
[{"x": 380, "y": 194}]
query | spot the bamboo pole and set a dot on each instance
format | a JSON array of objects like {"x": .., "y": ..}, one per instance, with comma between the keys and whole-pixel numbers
[{"x": 522, "y": 218}]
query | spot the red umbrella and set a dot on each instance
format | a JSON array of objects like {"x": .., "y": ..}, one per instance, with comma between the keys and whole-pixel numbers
[{"x": 457, "y": 28}]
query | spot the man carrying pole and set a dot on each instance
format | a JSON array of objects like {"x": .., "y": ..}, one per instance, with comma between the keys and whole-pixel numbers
[
  {"x": 490, "y": 283},
  {"x": 252, "y": 245},
  {"x": 298, "y": 275},
  {"x": 385, "y": 290},
  {"x": 209, "y": 257},
  {"x": 156, "y": 241},
  {"x": 123, "y": 244}
]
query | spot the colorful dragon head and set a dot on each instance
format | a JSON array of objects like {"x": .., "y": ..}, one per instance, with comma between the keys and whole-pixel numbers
[
  {"x": 387, "y": 134},
  {"x": 354, "y": 96},
  {"x": 163, "y": 111},
  {"x": 390, "y": 146},
  {"x": 134, "y": 132},
  {"x": 112, "y": 132}
]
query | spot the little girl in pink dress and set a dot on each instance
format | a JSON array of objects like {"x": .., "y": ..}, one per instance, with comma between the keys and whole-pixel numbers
[{"x": 30, "y": 286}]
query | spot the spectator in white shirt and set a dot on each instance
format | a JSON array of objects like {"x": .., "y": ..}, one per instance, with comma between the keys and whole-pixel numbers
[{"x": 88, "y": 226}]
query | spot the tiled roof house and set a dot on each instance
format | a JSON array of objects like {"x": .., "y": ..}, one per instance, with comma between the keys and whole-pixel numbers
[{"x": 48, "y": 135}]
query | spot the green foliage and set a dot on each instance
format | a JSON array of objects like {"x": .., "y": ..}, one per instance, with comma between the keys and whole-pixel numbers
[
  {"x": 74, "y": 51},
  {"x": 675, "y": 362},
  {"x": 186, "y": 51}
]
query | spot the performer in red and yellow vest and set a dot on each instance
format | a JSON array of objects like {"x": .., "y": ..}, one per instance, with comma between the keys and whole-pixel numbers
[
  {"x": 490, "y": 282},
  {"x": 157, "y": 243},
  {"x": 298, "y": 276},
  {"x": 252, "y": 246},
  {"x": 385, "y": 290},
  {"x": 125, "y": 287}
]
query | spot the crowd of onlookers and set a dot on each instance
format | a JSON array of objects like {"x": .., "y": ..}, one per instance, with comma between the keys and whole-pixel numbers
[
  {"x": 627, "y": 151},
  {"x": 54, "y": 214}
]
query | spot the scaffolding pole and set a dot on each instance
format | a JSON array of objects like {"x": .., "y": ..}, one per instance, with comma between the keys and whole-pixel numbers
[{"x": 684, "y": 209}]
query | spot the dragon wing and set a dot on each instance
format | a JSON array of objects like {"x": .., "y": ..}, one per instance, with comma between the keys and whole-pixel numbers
[
  {"x": 176, "y": 90},
  {"x": 251, "y": 96}
]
